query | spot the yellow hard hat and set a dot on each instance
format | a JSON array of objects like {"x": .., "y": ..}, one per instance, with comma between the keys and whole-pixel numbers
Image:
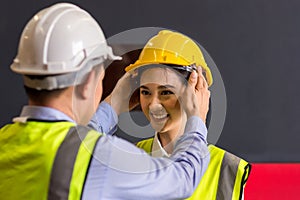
[{"x": 168, "y": 47}]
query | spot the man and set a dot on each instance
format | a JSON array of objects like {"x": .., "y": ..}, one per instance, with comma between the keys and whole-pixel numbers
[{"x": 48, "y": 153}]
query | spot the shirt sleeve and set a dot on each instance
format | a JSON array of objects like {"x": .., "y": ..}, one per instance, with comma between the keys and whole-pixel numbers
[
  {"x": 119, "y": 170},
  {"x": 105, "y": 119}
]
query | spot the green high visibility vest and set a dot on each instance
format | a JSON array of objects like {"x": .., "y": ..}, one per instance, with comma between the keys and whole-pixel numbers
[
  {"x": 224, "y": 179},
  {"x": 44, "y": 160}
]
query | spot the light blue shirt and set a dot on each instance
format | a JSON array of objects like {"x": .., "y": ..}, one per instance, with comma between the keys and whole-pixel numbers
[{"x": 119, "y": 170}]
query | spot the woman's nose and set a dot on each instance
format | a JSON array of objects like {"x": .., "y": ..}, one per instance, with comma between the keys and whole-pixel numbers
[{"x": 155, "y": 103}]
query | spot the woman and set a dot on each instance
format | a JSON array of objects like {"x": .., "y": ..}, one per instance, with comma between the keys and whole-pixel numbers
[{"x": 164, "y": 66}]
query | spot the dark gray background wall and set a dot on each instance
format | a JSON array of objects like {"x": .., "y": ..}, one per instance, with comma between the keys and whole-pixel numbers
[{"x": 255, "y": 44}]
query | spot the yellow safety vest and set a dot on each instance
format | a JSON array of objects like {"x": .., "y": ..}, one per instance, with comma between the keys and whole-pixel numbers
[
  {"x": 224, "y": 179},
  {"x": 44, "y": 160}
]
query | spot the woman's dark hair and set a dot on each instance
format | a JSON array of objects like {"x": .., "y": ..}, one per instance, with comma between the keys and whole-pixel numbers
[{"x": 177, "y": 68}]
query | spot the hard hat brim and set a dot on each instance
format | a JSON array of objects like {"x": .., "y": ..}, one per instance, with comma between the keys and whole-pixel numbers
[{"x": 136, "y": 65}]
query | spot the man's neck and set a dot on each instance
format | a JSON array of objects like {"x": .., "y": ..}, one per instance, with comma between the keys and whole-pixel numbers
[{"x": 63, "y": 103}]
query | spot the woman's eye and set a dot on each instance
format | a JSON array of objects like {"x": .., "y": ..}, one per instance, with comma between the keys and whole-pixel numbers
[
  {"x": 166, "y": 92},
  {"x": 145, "y": 92}
]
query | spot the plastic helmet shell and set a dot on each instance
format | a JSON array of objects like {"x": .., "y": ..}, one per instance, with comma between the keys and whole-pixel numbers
[
  {"x": 168, "y": 47},
  {"x": 59, "y": 39}
]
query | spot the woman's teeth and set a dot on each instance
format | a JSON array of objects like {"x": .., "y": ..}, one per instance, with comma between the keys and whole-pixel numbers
[{"x": 160, "y": 116}]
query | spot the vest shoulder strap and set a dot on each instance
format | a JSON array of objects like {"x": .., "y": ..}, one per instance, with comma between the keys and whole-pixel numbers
[
  {"x": 224, "y": 178},
  {"x": 234, "y": 173}
]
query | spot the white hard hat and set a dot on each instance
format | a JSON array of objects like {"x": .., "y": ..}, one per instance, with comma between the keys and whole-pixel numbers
[{"x": 59, "y": 40}]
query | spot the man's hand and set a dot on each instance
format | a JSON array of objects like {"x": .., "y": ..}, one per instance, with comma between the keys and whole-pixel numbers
[
  {"x": 196, "y": 95},
  {"x": 119, "y": 99}
]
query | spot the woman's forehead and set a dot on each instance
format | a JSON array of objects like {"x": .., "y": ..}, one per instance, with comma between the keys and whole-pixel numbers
[{"x": 161, "y": 76}]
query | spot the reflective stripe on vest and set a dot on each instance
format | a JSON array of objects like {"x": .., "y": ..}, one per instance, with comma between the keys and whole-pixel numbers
[
  {"x": 71, "y": 164},
  {"x": 224, "y": 178},
  {"x": 33, "y": 153}
]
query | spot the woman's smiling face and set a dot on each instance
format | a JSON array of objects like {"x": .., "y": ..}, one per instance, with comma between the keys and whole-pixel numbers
[{"x": 159, "y": 91}]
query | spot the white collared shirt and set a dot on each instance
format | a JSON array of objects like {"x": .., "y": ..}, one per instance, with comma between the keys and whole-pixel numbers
[{"x": 157, "y": 149}]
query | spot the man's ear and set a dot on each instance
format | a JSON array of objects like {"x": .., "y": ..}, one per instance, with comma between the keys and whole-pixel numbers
[{"x": 85, "y": 89}]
